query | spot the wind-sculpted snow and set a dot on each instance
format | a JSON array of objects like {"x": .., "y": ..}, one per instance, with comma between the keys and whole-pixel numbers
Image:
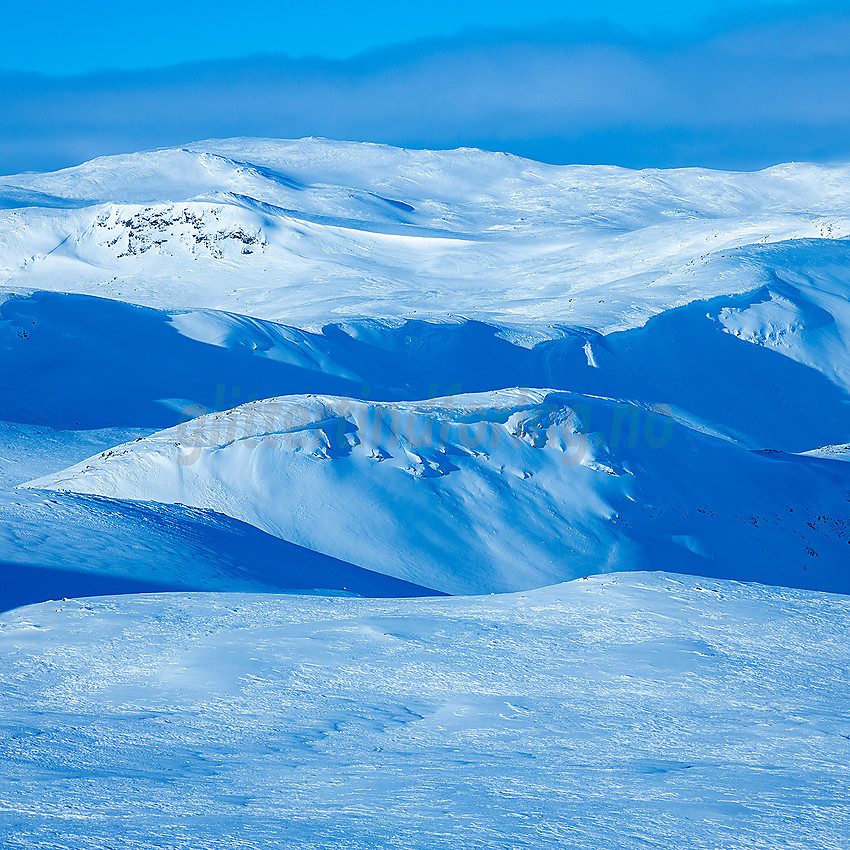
[
  {"x": 624, "y": 711},
  {"x": 497, "y": 491},
  {"x": 54, "y": 545},
  {"x": 767, "y": 367}
]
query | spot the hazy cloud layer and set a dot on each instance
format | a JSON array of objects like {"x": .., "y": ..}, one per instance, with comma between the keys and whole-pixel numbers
[{"x": 743, "y": 97}]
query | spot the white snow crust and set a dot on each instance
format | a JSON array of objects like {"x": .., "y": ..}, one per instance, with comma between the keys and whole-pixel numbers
[{"x": 639, "y": 710}]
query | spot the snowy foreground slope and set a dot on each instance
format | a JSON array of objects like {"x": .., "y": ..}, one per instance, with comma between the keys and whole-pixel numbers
[{"x": 637, "y": 710}]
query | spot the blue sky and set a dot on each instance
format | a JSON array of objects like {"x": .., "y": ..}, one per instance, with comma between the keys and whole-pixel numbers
[
  {"x": 71, "y": 38},
  {"x": 736, "y": 84}
]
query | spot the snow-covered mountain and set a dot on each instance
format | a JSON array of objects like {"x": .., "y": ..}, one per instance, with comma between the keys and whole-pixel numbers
[
  {"x": 496, "y": 491},
  {"x": 314, "y": 231},
  {"x": 554, "y": 306}
]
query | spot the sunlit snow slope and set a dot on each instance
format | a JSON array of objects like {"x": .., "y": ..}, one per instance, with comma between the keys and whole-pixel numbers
[
  {"x": 662, "y": 355},
  {"x": 312, "y": 231}
]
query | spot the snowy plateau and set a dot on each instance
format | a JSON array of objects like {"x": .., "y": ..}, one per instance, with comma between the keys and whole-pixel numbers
[{"x": 360, "y": 497}]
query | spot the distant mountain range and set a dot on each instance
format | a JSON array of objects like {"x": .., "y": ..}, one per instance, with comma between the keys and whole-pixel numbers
[{"x": 492, "y": 374}]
